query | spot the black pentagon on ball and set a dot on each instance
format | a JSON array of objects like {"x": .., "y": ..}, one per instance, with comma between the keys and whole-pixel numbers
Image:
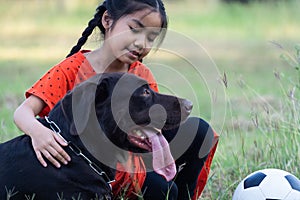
[
  {"x": 254, "y": 180},
  {"x": 294, "y": 182}
]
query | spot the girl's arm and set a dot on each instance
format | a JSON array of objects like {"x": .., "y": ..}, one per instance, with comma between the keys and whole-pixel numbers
[{"x": 44, "y": 141}]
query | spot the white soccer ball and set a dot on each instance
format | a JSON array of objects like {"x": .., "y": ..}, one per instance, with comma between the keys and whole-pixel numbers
[{"x": 268, "y": 184}]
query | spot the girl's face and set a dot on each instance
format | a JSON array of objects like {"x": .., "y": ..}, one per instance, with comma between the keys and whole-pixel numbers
[{"x": 132, "y": 36}]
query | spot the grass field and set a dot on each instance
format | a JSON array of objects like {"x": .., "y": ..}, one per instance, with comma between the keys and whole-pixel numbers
[{"x": 220, "y": 56}]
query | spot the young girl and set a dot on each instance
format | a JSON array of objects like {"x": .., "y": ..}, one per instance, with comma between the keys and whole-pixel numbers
[{"x": 130, "y": 28}]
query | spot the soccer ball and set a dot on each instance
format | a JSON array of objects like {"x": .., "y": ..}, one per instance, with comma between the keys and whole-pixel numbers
[{"x": 268, "y": 184}]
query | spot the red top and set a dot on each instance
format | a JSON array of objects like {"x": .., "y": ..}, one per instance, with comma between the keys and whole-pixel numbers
[
  {"x": 55, "y": 83},
  {"x": 61, "y": 78}
]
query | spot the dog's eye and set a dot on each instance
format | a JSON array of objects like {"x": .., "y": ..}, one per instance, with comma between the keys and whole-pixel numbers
[{"x": 146, "y": 92}]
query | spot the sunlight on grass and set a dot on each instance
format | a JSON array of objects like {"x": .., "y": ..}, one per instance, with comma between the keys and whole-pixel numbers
[{"x": 234, "y": 21}]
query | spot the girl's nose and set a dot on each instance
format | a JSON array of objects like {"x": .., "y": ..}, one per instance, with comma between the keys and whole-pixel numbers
[{"x": 140, "y": 42}]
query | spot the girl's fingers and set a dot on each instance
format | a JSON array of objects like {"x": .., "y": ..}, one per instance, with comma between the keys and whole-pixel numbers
[
  {"x": 60, "y": 140},
  {"x": 59, "y": 153},
  {"x": 40, "y": 158},
  {"x": 50, "y": 158},
  {"x": 49, "y": 147},
  {"x": 56, "y": 154}
]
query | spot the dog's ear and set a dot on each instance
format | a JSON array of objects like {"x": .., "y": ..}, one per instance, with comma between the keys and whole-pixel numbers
[
  {"x": 102, "y": 92},
  {"x": 85, "y": 97}
]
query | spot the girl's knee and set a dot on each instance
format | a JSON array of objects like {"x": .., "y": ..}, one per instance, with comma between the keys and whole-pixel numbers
[
  {"x": 203, "y": 136},
  {"x": 200, "y": 126},
  {"x": 203, "y": 127}
]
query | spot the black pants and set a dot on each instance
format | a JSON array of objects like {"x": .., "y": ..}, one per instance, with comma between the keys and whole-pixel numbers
[{"x": 190, "y": 145}]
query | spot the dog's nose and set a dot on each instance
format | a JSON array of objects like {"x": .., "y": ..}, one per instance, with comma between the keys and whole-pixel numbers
[
  {"x": 188, "y": 105},
  {"x": 186, "y": 108}
]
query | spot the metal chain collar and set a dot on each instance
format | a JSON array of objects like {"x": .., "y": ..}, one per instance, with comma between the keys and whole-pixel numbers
[{"x": 77, "y": 151}]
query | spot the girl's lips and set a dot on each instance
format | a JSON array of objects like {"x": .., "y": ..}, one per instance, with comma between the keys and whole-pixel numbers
[{"x": 134, "y": 55}]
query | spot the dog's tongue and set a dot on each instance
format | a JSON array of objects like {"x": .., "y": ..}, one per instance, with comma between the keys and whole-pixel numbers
[{"x": 163, "y": 162}]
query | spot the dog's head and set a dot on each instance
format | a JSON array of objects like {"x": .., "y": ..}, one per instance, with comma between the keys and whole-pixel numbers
[{"x": 121, "y": 104}]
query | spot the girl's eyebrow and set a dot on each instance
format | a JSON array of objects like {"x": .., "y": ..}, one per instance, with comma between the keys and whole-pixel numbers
[{"x": 140, "y": 24}]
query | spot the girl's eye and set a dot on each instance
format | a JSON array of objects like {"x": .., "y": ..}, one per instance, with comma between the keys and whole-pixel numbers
[
  {"x": 151, "y": 39},
  {"x": 134, "y": 30}
]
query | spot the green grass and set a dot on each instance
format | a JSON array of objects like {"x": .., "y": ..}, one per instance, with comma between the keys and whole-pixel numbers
[{"x": 260, "y": 127}]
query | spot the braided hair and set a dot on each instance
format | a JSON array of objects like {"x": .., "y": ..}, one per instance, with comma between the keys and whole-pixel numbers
[{"x": 117, "y": 9}]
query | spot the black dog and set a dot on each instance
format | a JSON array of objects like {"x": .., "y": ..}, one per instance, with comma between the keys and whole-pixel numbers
[{"x": 96, "y": 118}]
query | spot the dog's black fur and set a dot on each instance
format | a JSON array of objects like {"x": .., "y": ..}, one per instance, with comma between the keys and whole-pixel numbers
[{"x": 79, "y": 115}]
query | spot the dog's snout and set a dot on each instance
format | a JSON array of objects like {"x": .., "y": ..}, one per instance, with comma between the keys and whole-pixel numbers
[
  {"x": 186, "y": 108},
  {"x": 187, "y": 105}
]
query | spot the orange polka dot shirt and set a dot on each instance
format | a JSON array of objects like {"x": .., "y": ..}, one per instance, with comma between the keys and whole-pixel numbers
[{"x": 61, "y": 78}]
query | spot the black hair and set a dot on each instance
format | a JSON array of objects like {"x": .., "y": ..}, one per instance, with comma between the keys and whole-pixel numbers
[{"x": 117, "y": 9}]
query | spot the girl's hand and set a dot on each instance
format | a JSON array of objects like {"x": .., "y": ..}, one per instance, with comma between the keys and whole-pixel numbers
[
  {"x": 48, "y": 144},
  {"x": 45, "y": 142}
]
